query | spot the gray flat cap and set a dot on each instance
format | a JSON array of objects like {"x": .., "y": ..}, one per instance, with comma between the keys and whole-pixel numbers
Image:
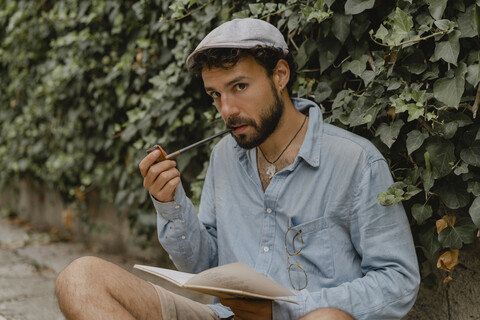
[{"x": 241, "y": 33}]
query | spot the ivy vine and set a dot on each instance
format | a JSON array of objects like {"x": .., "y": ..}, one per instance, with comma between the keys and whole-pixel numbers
[{"x": 87, "y": 86}]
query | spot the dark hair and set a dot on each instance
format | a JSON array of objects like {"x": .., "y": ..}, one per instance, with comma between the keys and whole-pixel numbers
[{"x": 227, "y": 58}]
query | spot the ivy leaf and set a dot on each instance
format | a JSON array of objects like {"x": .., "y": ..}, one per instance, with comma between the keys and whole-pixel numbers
[
  {"x": 393, "y": 195},
  {"x": 293, "y": 21},
  {"x": 442, "y": 154},
  {"x": 418, "y": 96},
  {"x": 358, "y": 6},
  {"x": 466, "y": 23},
  {"x": 474, "y": 211},
  {"x": 402, "y": 24},
  {"x": 449, "y": 238},
  {"x": 411, "y": 191},
  {"x": 448, "y": 50},
  {"x": 444, "y": 24},
  {"x": 359, "y": 25},
  {"x": 454, "y": 236},
  {"x": 474, "y": 188},
  {"x": 450, "y": 91},
  {"x": 429, "y": 239},
  {"x": 329, "y": 2},
  {"x": 454, "y": 194},
  {"x": 367, "y": 76},
  {"x": 256, "y": 8},
  {"x": 400, "y": 105},
  {"x": 421, "y": 212},
  {"x": 471, "y": 154},
  {"x": 415, "y": 63},
  {"x": 363, "y": 115},
  {"x": 463, "y": 168},
  {"x": 328, "y": 52},
  {"x": 461, "y": 119},
  {"x": 415, "y": 140},
  {"x": 322, "y": 92},
  {"x": 316, "y": 12},
  {"x": 437, "y": 7},
  {"x": 305, "y": 51},
  {"x": 389, "y": 133},
  {"x": 356, "y": 66},
  {"x": 473, "y": 74},
  {"x": 414, "y": 112},
  {"x": 341, "y": 26},
  {"x": 381, "y": 33}
]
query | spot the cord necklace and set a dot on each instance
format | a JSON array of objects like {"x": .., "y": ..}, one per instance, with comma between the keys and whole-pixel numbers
[{"x": 272, "y": 169}]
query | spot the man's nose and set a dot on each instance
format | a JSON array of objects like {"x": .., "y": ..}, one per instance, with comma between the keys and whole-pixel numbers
[{"x": 228, "y": 107}]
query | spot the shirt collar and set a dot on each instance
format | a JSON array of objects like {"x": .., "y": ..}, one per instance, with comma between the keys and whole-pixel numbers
[{"x": 310, "y": 149}]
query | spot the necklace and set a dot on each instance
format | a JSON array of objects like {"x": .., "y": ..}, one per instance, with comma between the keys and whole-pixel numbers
[{"x": 272, "y": 169}]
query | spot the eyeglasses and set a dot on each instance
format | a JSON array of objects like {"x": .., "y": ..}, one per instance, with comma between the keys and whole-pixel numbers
[{"x": 293, "y": 248}]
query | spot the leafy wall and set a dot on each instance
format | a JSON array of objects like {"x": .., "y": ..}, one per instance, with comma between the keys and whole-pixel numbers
[{"x": 87, "y": 86}]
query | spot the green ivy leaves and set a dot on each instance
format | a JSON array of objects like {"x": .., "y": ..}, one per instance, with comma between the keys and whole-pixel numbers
[
  {"x": 450, "y": 90},
  {"x": 86, "y": 87}
]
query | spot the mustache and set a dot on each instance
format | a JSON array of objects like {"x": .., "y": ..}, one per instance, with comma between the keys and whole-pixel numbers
[{"x": 235, "y": 121}]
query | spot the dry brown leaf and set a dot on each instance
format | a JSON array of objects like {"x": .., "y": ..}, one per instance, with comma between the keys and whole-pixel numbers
[
  {"x": 447, "y": 279},
  {"x": 68, "y": 217},
  {"x": 79, "y": 194},
  {"x": 391, "y": 112},
  {"x": 448, "y": 260},
  {"x": 391, "y": 57},
  {"x": 446, "y": 221}
]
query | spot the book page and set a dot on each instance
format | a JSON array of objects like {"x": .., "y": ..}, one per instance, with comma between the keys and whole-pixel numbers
[
  {"x": 238, "y": 277},
  {"x": 177, "y": 277},
  {"x": 231, "y": 293}
]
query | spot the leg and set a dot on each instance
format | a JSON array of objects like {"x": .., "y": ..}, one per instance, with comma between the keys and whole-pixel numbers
[
  {"x": 91, "y": 288},
  {"x": 327, "y": 314}
]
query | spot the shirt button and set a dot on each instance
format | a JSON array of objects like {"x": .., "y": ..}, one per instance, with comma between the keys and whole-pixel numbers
[
  {"x": 265, "y": 249},
  {"x": 183, "y": 237},
  {"x": 269, "y": 210}
]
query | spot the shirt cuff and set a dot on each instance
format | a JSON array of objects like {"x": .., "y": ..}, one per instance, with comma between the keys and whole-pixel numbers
[{"x": 171, "y": 210}]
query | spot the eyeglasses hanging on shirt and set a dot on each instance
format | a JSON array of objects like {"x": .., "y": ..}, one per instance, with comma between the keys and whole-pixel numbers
[{"x": 293, "y": 248}]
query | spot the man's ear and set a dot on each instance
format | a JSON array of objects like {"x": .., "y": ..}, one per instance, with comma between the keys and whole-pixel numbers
[{"x": 281, "y": 74}]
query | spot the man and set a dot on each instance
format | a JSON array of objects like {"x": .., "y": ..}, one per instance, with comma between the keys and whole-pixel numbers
[{"x": 285, "y": 194}]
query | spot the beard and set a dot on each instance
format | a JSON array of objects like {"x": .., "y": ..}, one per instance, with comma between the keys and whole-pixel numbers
[{"x": 267, "y": 124}]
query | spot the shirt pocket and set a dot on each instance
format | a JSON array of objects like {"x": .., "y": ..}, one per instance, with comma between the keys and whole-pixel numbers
[{"x": 316, "y": 256}]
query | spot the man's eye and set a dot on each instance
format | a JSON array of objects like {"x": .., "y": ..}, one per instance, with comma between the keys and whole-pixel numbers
[
  {"x": 241, "y": 86},
  {"x": 214, "y": 94}
]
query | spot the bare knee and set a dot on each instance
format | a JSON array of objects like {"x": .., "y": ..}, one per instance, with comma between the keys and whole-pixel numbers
[
  {"x": 327, "y": 314},
  {"x": 77, "y": 280},
  {"x": 77, "y": 273}
]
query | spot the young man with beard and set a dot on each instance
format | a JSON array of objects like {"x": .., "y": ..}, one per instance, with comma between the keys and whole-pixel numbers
[{"x": 286, "y": 194}]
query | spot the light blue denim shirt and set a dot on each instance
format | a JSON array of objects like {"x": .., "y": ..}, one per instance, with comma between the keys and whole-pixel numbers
[{"x": 358, "y": 255}]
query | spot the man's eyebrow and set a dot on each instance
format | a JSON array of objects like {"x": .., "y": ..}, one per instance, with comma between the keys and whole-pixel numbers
[{"x": 229, "y": 83}]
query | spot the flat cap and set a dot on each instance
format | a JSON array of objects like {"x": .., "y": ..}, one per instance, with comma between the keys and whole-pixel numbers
[{"x": 243, "y": 34}]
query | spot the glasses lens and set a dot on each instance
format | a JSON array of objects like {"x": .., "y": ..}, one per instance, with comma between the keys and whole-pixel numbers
[
  {"x": 293, "y": 242},
  {"x": 298, "y": 276}
]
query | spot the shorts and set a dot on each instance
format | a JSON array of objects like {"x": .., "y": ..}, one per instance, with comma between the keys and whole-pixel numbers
[{"x": 175, "y": 306}]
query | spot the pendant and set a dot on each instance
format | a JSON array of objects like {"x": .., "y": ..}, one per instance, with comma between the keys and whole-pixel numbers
[{"x": 271, "y": 171}]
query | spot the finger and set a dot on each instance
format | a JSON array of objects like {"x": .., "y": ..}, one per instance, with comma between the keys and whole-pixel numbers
[
  {"x": 149, "y": 160},
  {"x": 160, "y": 173},
  {"x": 167, "y": 192}
]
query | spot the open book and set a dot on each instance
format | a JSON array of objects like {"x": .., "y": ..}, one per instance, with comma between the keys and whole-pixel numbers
[{"x": 234, "y": 280}]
